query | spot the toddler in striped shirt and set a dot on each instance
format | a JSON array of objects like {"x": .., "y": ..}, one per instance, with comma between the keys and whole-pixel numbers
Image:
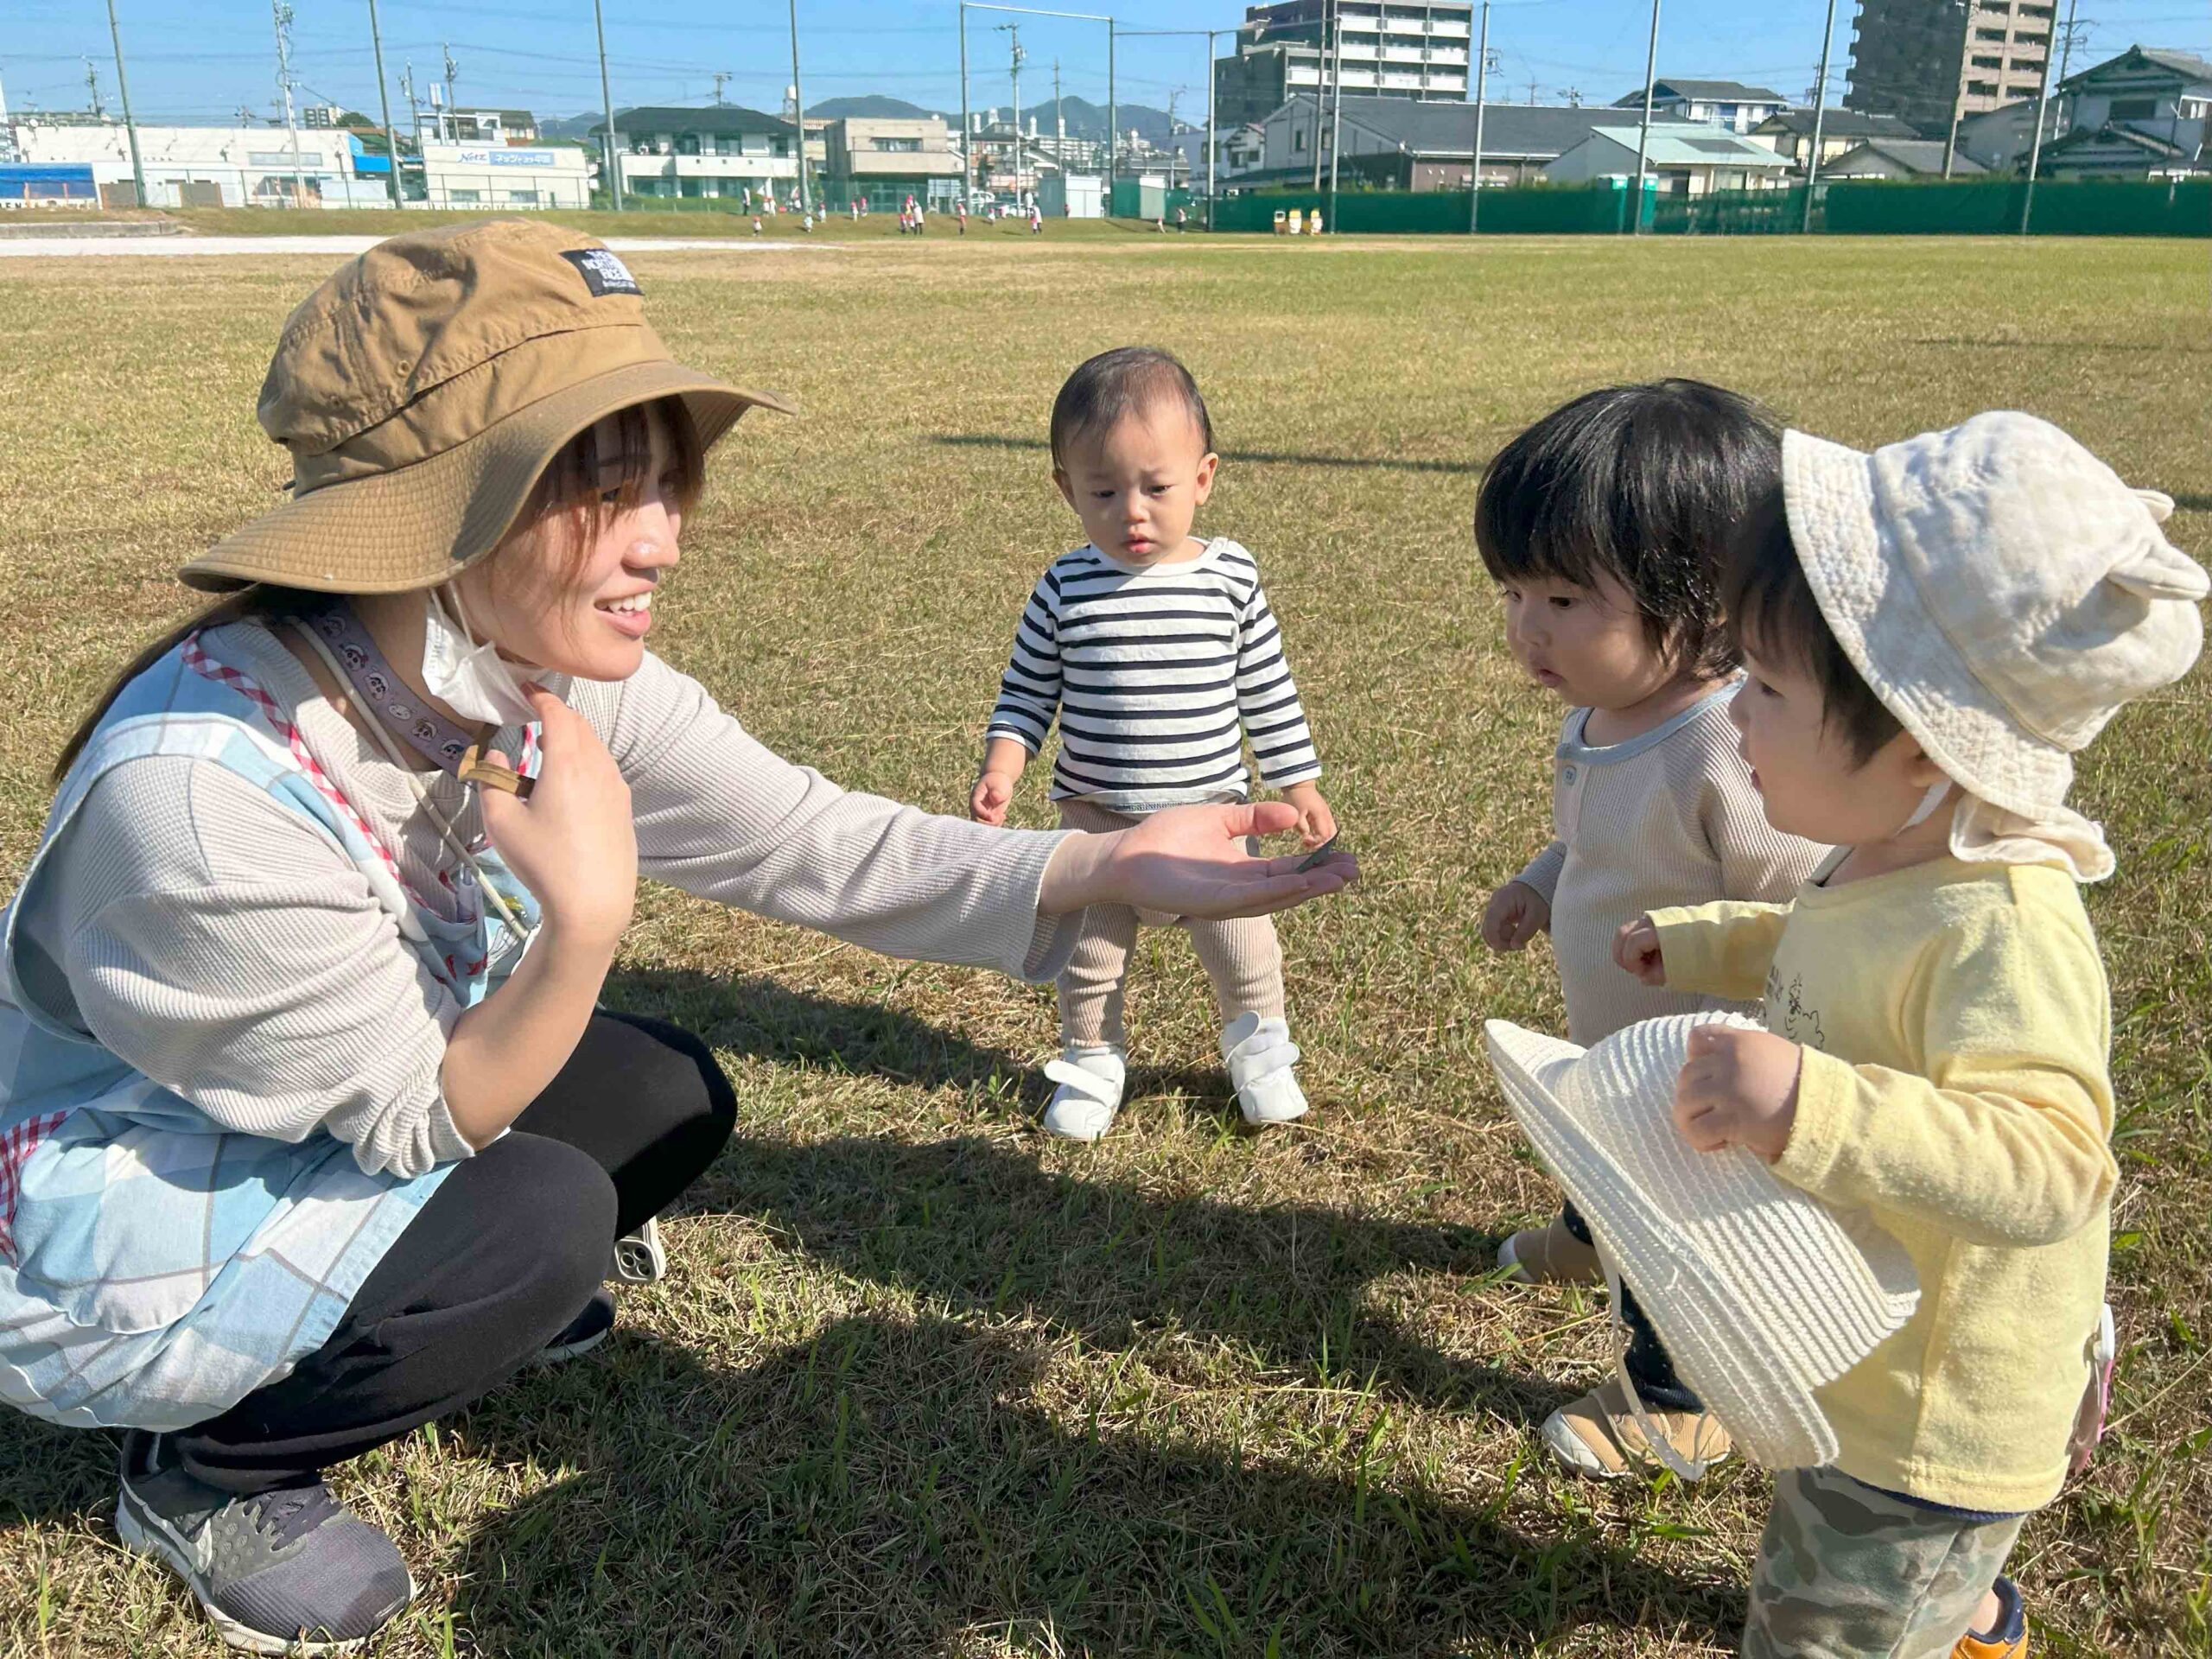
[{"x": 1156, "y": 651}]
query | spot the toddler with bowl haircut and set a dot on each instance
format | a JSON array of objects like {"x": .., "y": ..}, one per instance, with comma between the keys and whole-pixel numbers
[
  {"x": 1156, "y": 653},
  {"x": 1603, "y": 525},
  {"x": 1932, "y": 631}
]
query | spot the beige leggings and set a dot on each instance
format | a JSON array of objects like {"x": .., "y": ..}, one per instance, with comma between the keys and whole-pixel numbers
[{"x": 1242, "y": 958}]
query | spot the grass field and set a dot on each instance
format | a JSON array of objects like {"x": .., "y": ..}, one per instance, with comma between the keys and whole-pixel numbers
[{"x": 921, "y": 1382}]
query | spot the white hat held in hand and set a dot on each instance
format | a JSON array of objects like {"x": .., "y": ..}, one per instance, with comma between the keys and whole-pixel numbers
[
  {"x": 2002, "y": 592},
  {"x": 1760, "y": 1292}
]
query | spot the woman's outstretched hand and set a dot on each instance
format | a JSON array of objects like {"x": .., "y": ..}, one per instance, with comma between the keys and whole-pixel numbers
[{"x": 1192, "y": 861}]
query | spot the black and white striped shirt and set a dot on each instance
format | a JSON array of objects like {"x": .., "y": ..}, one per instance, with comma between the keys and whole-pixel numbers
[{"x": 1157, "y": 675}]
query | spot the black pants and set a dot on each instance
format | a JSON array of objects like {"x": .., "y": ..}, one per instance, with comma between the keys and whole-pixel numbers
[
  {"x": 1649, "y": 1366},
  {"x": 506, "y": 1252}
]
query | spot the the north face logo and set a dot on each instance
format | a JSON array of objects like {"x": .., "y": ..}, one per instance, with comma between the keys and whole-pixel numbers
[{"x": 604, "y": 273}]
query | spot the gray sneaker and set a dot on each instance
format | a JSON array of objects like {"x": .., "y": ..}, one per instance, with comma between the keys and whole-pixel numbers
[{"x": 284, "y": 1572}]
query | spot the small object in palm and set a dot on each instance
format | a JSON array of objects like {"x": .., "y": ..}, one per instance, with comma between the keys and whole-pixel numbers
[{"x": 1320, "y": 854}]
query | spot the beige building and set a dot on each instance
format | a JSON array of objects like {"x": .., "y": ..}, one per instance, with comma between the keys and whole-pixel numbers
[
  {"x": 1934, "y": 61},
  {"x": 883, "y": 160}
]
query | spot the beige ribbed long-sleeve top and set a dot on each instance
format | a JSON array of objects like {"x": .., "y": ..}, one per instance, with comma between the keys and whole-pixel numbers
[
  {"x": 1639, "y": 826},
  {"x": 222, "y": 945}
]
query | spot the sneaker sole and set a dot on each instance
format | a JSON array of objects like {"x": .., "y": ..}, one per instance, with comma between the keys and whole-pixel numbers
[
  {"x": 147, "y": 1533},
  {"x": 1573, "y": 1453},
  {"x": 571, "y": 1349}
]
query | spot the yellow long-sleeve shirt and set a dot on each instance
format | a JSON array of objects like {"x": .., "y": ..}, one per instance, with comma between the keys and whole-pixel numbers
[{"x": 1956, "y": 1026}]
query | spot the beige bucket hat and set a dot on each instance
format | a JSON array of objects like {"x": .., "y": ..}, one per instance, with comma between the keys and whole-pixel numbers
[
  {"x": 2003, "y": 593},
  {"x": 422, "y": 388},
  {"x": 1761, "y": 1293}
]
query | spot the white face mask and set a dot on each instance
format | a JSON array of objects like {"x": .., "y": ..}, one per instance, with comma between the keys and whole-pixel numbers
[
  {"x": 1928, "y": 803},
  {"x": 471, "y": 680}
]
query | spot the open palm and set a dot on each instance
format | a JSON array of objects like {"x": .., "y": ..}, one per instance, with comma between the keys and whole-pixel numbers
[{"x": 1194, "y": 861}]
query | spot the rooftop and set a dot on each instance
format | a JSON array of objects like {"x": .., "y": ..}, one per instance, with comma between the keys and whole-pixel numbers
[
  {"x": 1915, "y": 154},
  {"x": 1840, "y": 123},
  {"x": 724, "y": 118},
  {"x": 1705, "y": 91},
  {"x": 1681, "y": 143},
  {"x": 1447, "y": 128}
]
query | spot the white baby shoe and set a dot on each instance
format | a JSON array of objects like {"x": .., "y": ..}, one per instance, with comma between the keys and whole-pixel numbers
[
  {"x": 1089, "y": 1092},
  {"x": 1260, "y": 1055}
]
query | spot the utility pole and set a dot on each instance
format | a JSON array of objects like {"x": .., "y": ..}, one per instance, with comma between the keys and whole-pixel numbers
[
  {"x": 1572, "y": 95},
  {"x": 1113, "y": 122},
  {"x": 1014, "y": 30},
  {"x": 2034, "y": 144},
  {"x": 1336, "y": 115},
  {"x": 1059, "y": 122},
  {"x": 384, "y": 98},
  {"x": 283, "y": 14},
  {"x": 967, "y": 123},
  {"x": 1212, "y": 136},
  {"x": 1321, "y": 90},
  {"x": 1643, "y": 135},
  {"x": 1532, "y": 91},
  {"x": 1958, "y": 84},
  {"x": 606, "y": 102},
  {"x": 92, "y": 82},
  {"x": 452, "y": 133},
  {"x": 1820, "y": 114},
  {"x": 798, "y": 116},
  {"x": 1481, "y": 90},
  {"x": 720, "y": 76},
  {"x": 130, "y": 125}
]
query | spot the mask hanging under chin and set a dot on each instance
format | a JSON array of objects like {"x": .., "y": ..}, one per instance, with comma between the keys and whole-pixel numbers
[
  {"x": 1928, "y": 803},
  {"x": 471, "y": 679}
]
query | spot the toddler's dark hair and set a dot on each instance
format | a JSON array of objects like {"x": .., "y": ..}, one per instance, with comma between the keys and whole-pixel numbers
[
  {"x": 1772, "y": 609},
  {"x": 1127, "y": 380},
  {"x": 1643, "y": 483}
]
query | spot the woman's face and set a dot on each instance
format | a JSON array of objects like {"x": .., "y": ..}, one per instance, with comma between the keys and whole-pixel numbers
[{"x": 586, "y": 615}]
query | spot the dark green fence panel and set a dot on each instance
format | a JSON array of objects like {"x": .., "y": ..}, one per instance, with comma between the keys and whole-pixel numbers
[
  {"x": 1992, "y": 207},
  {"x": 1848, "y": 207}
]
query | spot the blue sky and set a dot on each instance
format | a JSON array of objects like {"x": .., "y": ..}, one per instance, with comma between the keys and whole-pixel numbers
[{"x": 200, "y": 60}]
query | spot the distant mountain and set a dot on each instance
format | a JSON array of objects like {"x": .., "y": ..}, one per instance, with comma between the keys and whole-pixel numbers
[
  {"x": 1088, "y": 120},
  {"x": 570, "y": 126},
  {"x": 872, "y": 106}
]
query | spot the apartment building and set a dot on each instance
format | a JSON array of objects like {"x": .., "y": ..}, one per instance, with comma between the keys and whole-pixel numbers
[
  {"x": 1388, "y": 49},
  {"x": 1933, "y": 61}
]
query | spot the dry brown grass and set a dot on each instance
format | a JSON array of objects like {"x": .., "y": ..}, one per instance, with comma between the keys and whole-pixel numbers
[{"x": 921, "y": 1382}]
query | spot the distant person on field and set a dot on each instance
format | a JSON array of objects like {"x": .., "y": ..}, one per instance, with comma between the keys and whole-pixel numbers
[
  {"x": 1604, "y": 526},
  {"x": 312, "y": 1127},
  {"x": 1158, "y": 655},
  {"x": 1932, "y": 632},
  {"x": 1036, "y": 220}
]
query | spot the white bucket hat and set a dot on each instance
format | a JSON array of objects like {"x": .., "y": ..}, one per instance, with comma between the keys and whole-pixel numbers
[
  {"x": 2002, "y": 592},
  {"x": 1760, "y": 1292}
]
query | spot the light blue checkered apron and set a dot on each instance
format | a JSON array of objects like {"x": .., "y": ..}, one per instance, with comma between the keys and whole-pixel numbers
[{"x": 154, "y": 1268}]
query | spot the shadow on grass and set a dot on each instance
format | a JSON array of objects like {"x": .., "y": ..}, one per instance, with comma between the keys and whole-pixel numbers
[
  {"x": 977, "y": 1226},
  {"x": 890, "y": 1487},
  {"x": 2193, "y": 503},
  {"x": 1263, "y": 457}
]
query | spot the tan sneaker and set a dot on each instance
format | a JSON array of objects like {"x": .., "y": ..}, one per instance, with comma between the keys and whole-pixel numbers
[
  {"x": 1550, "y": 1255},
  {"x": 1599, "y": 1436}
]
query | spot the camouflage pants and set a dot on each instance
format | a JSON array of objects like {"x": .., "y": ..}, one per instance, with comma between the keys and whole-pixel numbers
[{"x": 1845, "y": 1571}]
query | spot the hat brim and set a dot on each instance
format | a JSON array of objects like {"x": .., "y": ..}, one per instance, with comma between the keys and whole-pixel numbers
[
  {"x": 421, "y": 524},
  {"x": 1870, "y": 604},
  {"x": 1710, "y": 1334}
]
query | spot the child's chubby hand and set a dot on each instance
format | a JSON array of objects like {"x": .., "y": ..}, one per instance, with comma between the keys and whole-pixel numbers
[
  {"x": 1515, "y": 914},
  {"x": 1738, "y": 1088},
  {"x": 1636, "y": 950},
  {"x": 988, "y": 800},
  {"x": 1316, "y": 822}
]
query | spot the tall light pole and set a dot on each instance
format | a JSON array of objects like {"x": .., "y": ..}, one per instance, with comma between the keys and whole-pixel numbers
[
  {"x": 1337, "y": 113},
  {"x": 130, "y": 126},
  {"x": 1644, "y": 134},
  {"x": 1321, "y": 90},
  {"x": 1482, "y": 91},
  {"x": 798, "y": 116},
  {"x": 384, "y": 98},
  {"x": 1820, "y": 114},
  {"x": 1015, "y": 31},
  {"x": 2035, "y": 145},
  {"x": 966, "y": 123},
  {"x": 1212, "y": 136},
  {"x": 1958, "y": 84},
  {"x": 606, "y": 100},
  {"x": 284, "y": 15}
]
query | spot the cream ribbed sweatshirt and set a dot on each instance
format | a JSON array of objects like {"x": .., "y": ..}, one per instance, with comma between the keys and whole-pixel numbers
[
  {"x": 222, "y": 945},
  {"x": 1666, "y": 817}
]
